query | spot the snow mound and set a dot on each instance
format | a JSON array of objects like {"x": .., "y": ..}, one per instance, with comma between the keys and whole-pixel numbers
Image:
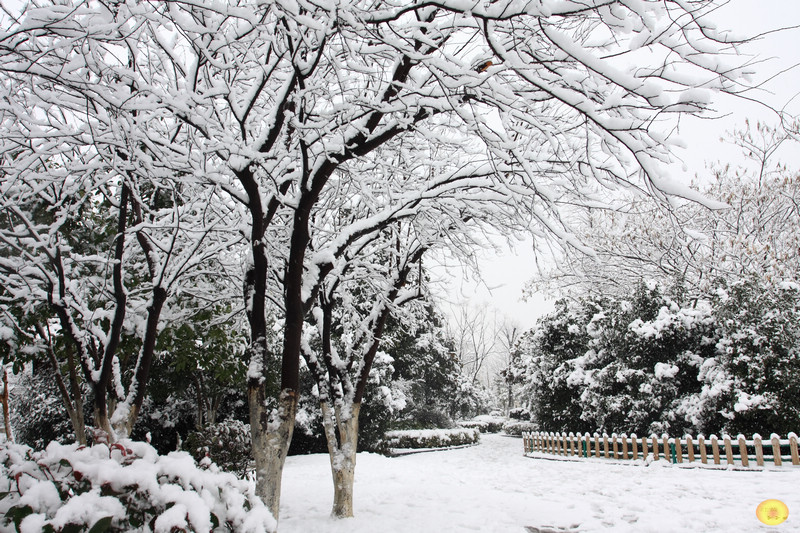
[{"x": 126, "y": 486}]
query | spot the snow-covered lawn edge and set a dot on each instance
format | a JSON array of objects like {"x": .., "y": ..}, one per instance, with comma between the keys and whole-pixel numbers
[
  {"x": 431, "y": 438},
  {"x": 127, "y": 486},
  {"x": 661, "y": 463},
  {"x": 399, "y": 452}
]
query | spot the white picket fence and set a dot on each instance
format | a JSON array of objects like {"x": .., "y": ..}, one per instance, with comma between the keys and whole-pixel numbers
[{"x": 754, "y": 452}]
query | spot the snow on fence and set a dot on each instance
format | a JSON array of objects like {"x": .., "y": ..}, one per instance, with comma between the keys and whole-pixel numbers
[{"x": 756, "y": 452}]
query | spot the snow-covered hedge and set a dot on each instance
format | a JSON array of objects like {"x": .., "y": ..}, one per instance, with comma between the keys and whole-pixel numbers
[
  {"x": 518, "y": 427},
  {"x": 431, "y": 438},
  {"x": 125, "y": 487},
  {"x": 484, "y": 423}
]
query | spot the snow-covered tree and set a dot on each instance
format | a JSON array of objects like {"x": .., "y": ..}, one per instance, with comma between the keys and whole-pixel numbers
[
  {"x": 691, "y": 248},
  {"x": 531, "y": 106},
  {"x": 92, "y": 261}
]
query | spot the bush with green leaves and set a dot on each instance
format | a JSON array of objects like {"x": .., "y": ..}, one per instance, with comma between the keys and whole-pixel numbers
[
  {"x": 227, "y": 444},
  {"x": 125, "y": 487}
]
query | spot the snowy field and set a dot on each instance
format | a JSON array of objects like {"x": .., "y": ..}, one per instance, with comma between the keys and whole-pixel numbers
[{"x": 493, "y": 487}]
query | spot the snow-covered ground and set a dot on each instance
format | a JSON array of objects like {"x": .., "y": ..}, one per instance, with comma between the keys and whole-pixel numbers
[{"x": 493, "y": 487}]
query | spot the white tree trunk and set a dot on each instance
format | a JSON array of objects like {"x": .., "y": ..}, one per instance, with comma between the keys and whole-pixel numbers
[
  {"x": 271, "y": 433},
  {"x": 342, "y": 452}
]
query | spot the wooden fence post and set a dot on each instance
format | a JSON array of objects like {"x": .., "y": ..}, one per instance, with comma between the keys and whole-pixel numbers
[
  {"x": 572, "y": 444},
  {"x": 776, "y": 450},
  {"x": 690, "y": 448},
  {"x": 655, "y": 448},
  {"x": 644, "y": 448},
  {"x": 633, "y": 445},
  {"x": 597, "y": 445},
  {"x": 605, "y": 445},
  {"x": 793, "y": 448},
  {"x": 743, "y": 451},
  {"x": 728, "y": 449},
  {"x": 678, "y": 450},
  {"x": 615, "y": 445},
  {"x": 624, "y": 447},
  {"x": 715, "y": 448},
  {"x": 759, "y": 449},
  {"x": 701, "y": 443},
  {"x": 665, "y": 442}
]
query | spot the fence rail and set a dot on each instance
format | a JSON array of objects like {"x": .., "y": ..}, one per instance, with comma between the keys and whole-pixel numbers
[{"x": 755, "y": 452}]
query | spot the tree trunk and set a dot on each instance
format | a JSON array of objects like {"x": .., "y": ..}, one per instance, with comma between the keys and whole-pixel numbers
[
  {"x": 342, "y": 452},
  {"x": 271, "y": 433},
  {"x": 103, "y": 433},
  {"x": 76, "y": 413},
  {"x": 73, "y": 403},
  {"x": 133, "y": 405},
  {"x": 6, "y": 414}
]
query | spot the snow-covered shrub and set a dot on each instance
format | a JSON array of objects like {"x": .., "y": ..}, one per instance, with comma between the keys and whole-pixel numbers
[
  {"x": 431, "y": 438},
  {"x": 38, "y": 415},
  {"x": 517, "y": 427},
  {"x": 519, "y": 413},
  {"x": 752, "y": 385},
  {"x": 383, "y": 400},
  {"x": 227, "y": 444},
  {"x": 470, "y": 400},
  {"x": 125, "y": 487},
  {"x": 484, "y": 423},
  {"x": 424, "y": 417}
]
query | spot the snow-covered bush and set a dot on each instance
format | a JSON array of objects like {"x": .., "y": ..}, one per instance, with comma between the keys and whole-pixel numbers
[
  {"x": 125, "y": 487},
  {"x": 227, "y": 444},
  {"x": 519, "y": 413},
  {"x": 431, "y": 438},
  {"x": 38, "y": 415},
  {"x": 484, "y": 423},
  {"x": 470, "y": 400},
  {"x": 517, "y": 427}
]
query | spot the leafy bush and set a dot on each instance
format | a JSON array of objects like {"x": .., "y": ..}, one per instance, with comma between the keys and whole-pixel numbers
[
  {"x": 431, "y": 438},
  {"x": 124, "y": 487},
  {"x": 227, "y": 444}
]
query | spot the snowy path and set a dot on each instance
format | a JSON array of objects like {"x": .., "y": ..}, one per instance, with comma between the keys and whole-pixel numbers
[{"x": 492, "y": 487}]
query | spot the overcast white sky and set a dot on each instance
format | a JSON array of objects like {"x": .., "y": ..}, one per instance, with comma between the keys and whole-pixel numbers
[{"x": 505, "y": 275}]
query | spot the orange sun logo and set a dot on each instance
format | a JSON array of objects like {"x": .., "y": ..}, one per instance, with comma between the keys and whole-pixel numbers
[{"x": 772, "y": 512}]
